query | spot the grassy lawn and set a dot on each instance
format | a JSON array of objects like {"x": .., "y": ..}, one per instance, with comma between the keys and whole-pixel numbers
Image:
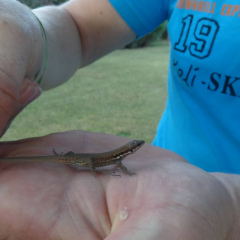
[{"x": 122, "y": 94}]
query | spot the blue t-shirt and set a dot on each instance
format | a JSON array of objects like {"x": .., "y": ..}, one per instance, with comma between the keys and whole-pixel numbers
[{"x": 201, "y": 121}]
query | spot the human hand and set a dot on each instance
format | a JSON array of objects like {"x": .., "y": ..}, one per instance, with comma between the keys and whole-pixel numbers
[
  {"x": 166, "y": 199},
  {"x": 21, "y": 56}
]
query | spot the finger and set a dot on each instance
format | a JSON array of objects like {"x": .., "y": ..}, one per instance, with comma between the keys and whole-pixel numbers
[
  {"x": 12, "y": 105},
  {"x": 29, "y": 92},
  {"x": 8, "y": 100}
]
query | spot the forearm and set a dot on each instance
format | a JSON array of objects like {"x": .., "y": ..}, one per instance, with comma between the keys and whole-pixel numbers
[
  {"x": 63, "y": 45},
  {"x": 231, "y": 183},
  {"x": 78, "y": 33}
]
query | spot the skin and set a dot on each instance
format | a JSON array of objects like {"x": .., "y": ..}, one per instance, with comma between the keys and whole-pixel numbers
[
  {"x": 92, "y": 36},
  {"x": 168, "y": 199}
]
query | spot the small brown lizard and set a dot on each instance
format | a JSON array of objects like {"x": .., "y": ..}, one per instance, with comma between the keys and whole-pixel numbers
[{"x": 89, "y": 160}]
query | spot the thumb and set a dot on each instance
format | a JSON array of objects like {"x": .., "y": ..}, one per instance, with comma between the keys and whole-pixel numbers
[
  {"x": 29, "y": 92},
  {"x": 8, "y": 111}
]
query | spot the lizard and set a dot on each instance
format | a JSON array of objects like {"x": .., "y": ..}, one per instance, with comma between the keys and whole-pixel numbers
[{"x": 89, "y": 160}]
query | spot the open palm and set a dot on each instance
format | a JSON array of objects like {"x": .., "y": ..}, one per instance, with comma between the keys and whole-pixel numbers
[{"x": 167, "y": 198}]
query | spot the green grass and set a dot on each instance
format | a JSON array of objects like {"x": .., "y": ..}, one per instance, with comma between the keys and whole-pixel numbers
[{"x": 124, "y": 94}]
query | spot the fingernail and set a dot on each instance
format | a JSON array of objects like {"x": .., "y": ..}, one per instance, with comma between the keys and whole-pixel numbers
[{"x": 30, "y": 94}]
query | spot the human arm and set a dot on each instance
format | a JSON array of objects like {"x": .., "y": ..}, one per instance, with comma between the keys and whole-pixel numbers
[
  {"x": 167, "y": 198},
  {"x": 23, "y": 47},
  {"x": 78, "y": 33}
]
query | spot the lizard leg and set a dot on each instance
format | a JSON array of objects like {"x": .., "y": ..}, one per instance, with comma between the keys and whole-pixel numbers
[
  {"x": 110, "y": 172},
  {"x": 122, "y": 167},
  {"x": 92, "y": 167},
  {"x": 61, "y": 154},
  {"x": 55, "y": 153},
  {"x": 69, "y": 154}
]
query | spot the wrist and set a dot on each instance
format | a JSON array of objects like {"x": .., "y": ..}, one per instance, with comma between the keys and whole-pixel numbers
[
  {"x": 40, "y": 73},
  {"x": 63, "y": 52},
  {"x": 38, "y": 46}
]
